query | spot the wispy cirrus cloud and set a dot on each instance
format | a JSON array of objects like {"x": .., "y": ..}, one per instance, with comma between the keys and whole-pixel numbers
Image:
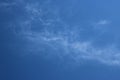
[
  {"x": 103, "y": 22},
  {"x": 76, "y": 50},
  {"x": 101, "y": 26},
  {"x": 82, "y": 50},
  {"x": 61, "y": 40}
]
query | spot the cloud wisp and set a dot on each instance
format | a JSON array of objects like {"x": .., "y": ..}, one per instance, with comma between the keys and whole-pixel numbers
[
  {"x": 79, "y": 50},
  {"x": 61, "y": 39},
  {"x": 102, "y": 22}
]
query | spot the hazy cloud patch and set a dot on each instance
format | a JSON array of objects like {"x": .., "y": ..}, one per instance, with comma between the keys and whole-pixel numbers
[{"x": 62, "y": 39}]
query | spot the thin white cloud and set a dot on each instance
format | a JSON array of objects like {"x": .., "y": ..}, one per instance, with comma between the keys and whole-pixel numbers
[
  {"x": 74, "y": 49},
  {"x": 101, "y": 26},
  {"x": 102, "y": 22},
  {"x": 80, "y": 50}
]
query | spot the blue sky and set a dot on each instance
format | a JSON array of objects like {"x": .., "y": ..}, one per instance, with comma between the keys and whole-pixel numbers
[{"x": 59, "y": 40}]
